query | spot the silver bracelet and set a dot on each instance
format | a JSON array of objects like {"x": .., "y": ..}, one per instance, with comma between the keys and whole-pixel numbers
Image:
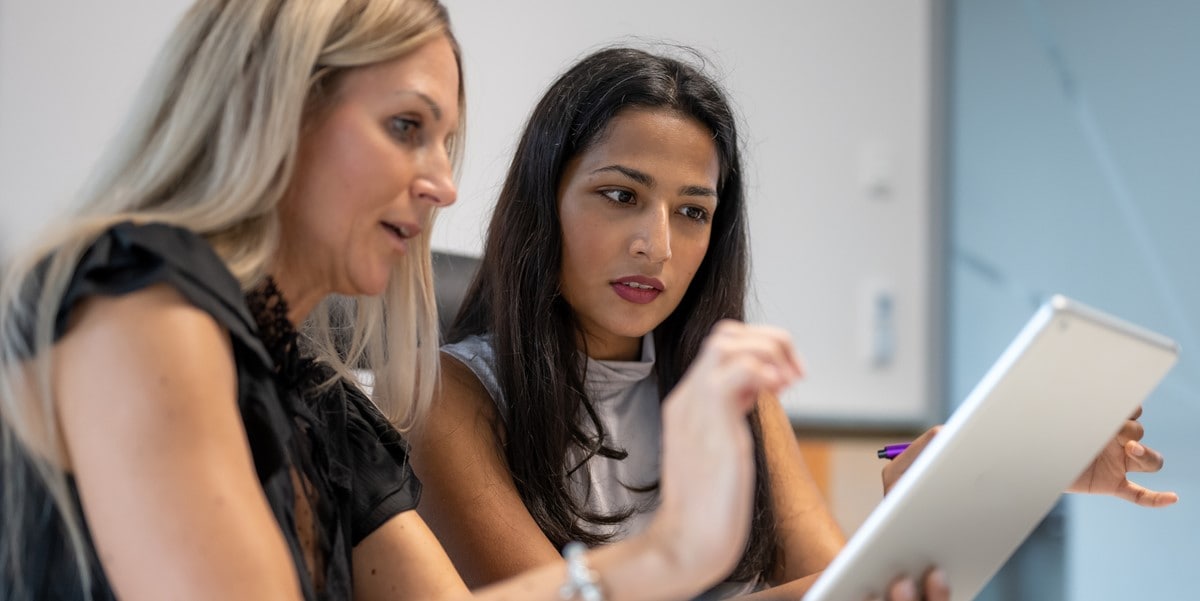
[{"x": 582, "y": 583}]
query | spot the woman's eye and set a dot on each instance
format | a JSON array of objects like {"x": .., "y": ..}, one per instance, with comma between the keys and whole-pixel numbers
[
  {"x": 695, "y": 214},
  {"x": 619, "y": 196},
  {"x": 403, "y": 128}
]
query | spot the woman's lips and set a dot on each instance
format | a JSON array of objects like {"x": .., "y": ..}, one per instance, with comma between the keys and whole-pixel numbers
[
  {"x": 637, "y": 289},
  {"x": 400, "y": 232}
]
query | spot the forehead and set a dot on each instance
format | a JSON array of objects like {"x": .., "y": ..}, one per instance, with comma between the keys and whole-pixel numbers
[
  {"x": 430, "y": 70},
  {"x": 662, "y": 138}
]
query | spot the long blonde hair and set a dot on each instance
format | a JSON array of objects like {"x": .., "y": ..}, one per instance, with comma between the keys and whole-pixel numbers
[{"x": 210, "y": 147}]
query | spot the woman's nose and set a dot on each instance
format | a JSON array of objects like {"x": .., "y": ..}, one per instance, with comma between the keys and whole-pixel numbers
[
  {"x": 653, "y": 238},
  {"x": 436, "y": 185}
]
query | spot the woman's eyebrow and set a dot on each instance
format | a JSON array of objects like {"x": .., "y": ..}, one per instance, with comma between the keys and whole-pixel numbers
[
  {"x": 647, "y": 180},
  {"x": 640, "y": 177},
  {"x": 434, "y": 108},
  {"x": 697, "y": 191}
]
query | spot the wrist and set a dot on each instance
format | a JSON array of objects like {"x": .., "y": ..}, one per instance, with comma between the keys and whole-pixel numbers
[
  {"x": 582, "y": 582},
  {"x": 644, "y": 567}
]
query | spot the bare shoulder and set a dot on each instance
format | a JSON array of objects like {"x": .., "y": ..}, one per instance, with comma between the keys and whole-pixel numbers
[
  {"x": 155, "y": 312},
  {"x": 462, "y": 395},
  {"x": 147, "y": 329},
  {"x": 462, "y": 413},
  {"x": 142, "y": 356},
  {"x": 459, "y": 380}
]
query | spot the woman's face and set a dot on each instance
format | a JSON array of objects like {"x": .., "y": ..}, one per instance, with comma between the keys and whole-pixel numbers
[
  {"x": 636, "y": 211},
  {"x": 369, "y": 171}
]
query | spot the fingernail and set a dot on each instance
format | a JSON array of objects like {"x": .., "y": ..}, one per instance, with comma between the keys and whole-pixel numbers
[
  {"x": 937, "y": 579},
  {"x": 1136, "y": 449},
  {"x": 907, "y": 592}
]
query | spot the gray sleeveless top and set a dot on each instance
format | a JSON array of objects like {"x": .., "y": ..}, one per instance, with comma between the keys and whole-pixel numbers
[{"x": 625, "y": 397}]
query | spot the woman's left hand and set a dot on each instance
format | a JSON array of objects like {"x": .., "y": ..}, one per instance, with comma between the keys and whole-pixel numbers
[
  {"x": 1106, "y": 475},
  {"x": 1108, "y": 472}
]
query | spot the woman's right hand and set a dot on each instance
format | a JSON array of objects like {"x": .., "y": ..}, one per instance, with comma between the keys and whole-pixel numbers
[
  {"x": 707, "y": 484},
  {"x": 898, "y": 466}
]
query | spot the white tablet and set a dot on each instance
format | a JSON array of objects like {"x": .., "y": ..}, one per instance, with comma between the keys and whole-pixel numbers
[{"x": 1059, "y": 392}]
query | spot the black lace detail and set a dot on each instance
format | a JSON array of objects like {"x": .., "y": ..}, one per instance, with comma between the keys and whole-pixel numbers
[
  {"x": 293, "y": 370},
  {"x": 297, "y": 376}
]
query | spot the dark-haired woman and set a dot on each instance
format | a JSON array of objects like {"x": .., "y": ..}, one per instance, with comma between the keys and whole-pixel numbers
[{"x": 618, "y": 242}]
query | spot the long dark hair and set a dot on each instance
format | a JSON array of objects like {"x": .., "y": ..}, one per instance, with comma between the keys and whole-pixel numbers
[{"x": 534, "y": 331}]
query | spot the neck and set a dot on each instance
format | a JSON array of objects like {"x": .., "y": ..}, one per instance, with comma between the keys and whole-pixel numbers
[
  {"x": 302, "y": 293},
  {"x": 301, "y": 298},
  {"x": 615, "y": 348}
]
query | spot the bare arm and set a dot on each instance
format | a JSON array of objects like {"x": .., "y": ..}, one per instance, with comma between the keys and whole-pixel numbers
[
  {"x": 403, "y": 560},
  {"x": 809, "y": 536},
  {"x": 146, "y": 388},
  {"x": 469, "y": 498}
]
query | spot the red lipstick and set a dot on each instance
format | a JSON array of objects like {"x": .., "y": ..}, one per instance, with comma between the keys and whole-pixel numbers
[{"x": 637, "y": 289}]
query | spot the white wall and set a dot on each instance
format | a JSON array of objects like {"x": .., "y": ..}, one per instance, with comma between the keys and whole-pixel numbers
[
  {"x": 68, "y": 71},
  {"x": 836, "y": 96}
]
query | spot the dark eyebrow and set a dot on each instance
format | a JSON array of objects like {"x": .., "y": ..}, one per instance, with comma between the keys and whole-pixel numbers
[
  {"x": 633, "y": 174},
  {"x": 697, "y": 191},
  {"x": 646, "y": 180}
]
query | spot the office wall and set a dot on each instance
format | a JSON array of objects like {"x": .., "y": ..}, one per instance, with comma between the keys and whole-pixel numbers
[
  {"x": 836, "y": 97},
  {"x": 68, "y": 71},
  {"x": 1074, "y": 151}
]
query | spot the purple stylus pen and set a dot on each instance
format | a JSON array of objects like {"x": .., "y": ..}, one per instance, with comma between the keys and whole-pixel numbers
[{"x": 891, "y": 451}]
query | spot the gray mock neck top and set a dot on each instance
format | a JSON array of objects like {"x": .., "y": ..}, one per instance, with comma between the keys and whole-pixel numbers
[{"x": 625, "y": 397}]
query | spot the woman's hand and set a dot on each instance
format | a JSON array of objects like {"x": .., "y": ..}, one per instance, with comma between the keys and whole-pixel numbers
[
  {"x": 896, "y": 467},
  {"x": 1108, "y": 472},
  {"x": 707, "y": 463},
  {"x": 904, "y": 589},
  {"x": 1106, "y": 475}
]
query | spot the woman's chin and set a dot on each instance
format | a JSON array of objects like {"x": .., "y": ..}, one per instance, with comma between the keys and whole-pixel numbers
[
  {"x": 374, "y": 284},
  {"x": 640, "y": 327}
]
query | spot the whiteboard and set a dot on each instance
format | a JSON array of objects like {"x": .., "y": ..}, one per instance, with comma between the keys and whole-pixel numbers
[{"x": 836, "y": 97}]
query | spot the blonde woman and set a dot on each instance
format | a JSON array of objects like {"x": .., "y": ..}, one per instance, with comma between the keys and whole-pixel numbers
[{"x": 166, "y": 430}]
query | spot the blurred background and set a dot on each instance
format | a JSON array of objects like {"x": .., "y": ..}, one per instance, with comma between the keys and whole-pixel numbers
[
  {"x": 1073, "y": 146},
  {"x": 923, "y": 173}
]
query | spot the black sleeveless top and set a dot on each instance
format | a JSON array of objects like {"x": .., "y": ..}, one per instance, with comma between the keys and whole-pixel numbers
[{"x": 332, "y": 467}]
